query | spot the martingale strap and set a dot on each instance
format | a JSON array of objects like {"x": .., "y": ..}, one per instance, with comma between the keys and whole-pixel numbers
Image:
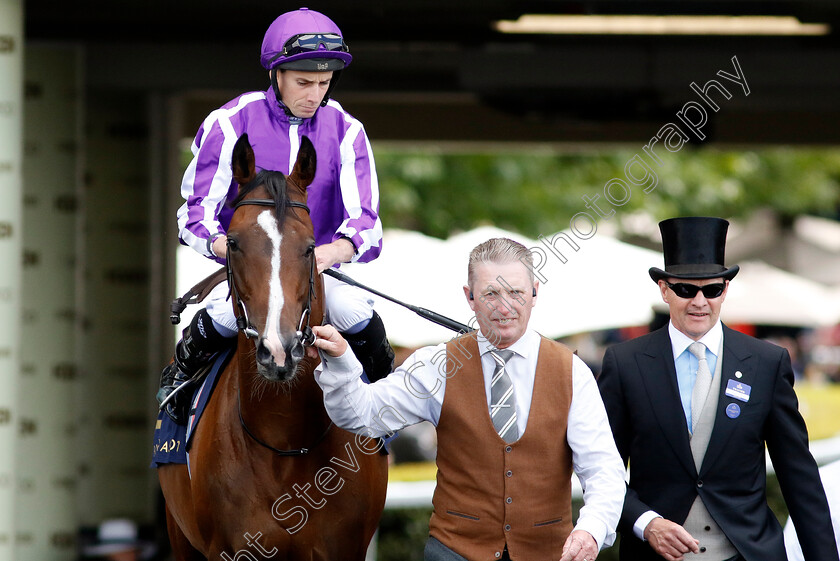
[{"x": 290, "y": 452}]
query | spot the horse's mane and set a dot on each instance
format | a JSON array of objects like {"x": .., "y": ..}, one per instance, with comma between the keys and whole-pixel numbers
[{"x": 275, "y": 183}]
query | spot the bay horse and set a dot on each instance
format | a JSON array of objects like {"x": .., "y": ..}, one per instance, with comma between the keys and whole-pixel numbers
[{"x": 270, "y": 476}]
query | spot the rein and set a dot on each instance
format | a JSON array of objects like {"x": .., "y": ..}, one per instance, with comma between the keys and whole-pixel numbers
[
  {"x": 292, "y": 452},
  {"x": 304, "y": 332}
]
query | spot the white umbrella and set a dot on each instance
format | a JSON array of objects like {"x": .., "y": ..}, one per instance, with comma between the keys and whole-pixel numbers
[
  {"x": 421, "y": 271},
  {"x": 762, "y": 294},
  {"x": 603, "y": 284}
]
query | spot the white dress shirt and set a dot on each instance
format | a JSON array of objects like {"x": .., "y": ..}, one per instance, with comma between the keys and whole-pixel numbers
[{"x": 414, "y": 392}]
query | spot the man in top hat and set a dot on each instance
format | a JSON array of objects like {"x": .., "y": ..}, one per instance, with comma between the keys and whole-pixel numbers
[{"x": 694, "y": 429}]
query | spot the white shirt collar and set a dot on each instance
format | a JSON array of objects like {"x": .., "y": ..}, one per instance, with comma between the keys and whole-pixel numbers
[{"x": 680, "y": 341}]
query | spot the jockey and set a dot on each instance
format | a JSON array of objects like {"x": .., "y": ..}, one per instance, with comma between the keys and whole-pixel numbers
[{"x": 305, "y": 53}]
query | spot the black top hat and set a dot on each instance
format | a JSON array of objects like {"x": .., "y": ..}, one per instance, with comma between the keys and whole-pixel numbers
[{"x": 693, "y": 248}]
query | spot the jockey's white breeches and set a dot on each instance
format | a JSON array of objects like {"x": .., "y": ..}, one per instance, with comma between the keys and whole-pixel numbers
[{"x": 347, "y": 306}]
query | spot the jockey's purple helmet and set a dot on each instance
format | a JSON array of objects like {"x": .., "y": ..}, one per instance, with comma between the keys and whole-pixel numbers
[{"x": 304, "y": 40}]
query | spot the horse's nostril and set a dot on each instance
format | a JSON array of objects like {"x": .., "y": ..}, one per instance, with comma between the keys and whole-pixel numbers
[
  {"x": 297, "y": 351},
  {"x": 263, "y": 353}
]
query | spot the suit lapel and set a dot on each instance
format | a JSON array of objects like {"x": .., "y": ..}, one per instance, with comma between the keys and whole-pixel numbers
[
  {"x": 656, "y": 365},
  {"x": 735, "y": 360}
]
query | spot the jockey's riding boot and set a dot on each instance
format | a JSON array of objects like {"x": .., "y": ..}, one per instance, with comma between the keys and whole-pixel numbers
[
  {"x": 371, "y": 347},
  {"x": 199, "y": 344}
]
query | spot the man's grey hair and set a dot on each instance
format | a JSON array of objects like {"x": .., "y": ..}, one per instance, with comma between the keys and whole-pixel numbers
[{"x": 499, "y": 250}]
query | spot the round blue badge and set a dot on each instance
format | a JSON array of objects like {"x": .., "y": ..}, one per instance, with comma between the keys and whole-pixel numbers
[{"x": 733, "y": 410}]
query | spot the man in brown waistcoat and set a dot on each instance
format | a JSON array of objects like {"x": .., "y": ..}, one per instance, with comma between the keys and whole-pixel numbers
[
  {"x": 516, "y": 415},
  {"x": 692, "y": 406}
]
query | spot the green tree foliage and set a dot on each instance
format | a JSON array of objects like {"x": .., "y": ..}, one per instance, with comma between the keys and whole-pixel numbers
[{"x": 538, "y": 190}]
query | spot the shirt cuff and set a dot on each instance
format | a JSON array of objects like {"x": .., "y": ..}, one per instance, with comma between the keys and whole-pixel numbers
[
  {"x": 594, "y": 528},
  {"x": 342, "y": 368},
  {"x": 642, "y": 523}
]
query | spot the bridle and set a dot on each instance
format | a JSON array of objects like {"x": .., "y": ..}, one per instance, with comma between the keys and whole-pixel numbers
[{"x": 304, "y": 332}]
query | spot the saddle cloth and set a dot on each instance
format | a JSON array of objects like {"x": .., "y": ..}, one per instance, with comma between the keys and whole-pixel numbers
[{"x": 171, "y": 440}]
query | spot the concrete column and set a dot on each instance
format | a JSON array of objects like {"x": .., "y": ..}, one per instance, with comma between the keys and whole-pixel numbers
[
  {"x": 115, "y": 430},
  {"x": 46, "y": 448},
  {"x": 11, "y": 87}
]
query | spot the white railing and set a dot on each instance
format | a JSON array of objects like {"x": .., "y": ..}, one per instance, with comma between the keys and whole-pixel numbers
[{"x": 415, "y": 494}]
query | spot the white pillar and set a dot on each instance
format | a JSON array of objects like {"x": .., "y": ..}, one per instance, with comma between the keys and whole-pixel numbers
[
  {"x": 114, "y": 442},
  {"x": 47, "y": 467},
  {"x": 11, "y": 87}
]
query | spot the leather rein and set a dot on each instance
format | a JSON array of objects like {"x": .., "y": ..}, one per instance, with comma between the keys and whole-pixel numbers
[{"x": 304, "y": 332}]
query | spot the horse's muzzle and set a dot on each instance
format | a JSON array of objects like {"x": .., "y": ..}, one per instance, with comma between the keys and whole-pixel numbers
[{"x": 279, "y": 363}]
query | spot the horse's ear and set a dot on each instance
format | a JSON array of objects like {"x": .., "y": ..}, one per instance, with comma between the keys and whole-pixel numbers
[
  {"x": 242, "y": 162},
  {"x": 304, "y": 170}
]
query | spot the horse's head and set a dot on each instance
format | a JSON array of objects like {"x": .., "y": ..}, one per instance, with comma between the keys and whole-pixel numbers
[{"x": 271, "y": 261}]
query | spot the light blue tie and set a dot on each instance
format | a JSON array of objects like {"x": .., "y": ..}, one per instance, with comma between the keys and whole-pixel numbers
[{"x": 502, "y": 403}]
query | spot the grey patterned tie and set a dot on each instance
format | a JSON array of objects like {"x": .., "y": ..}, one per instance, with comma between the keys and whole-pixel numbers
[
  {"x": 701, "y": 385},
  {"x": 502, "y": 404}
]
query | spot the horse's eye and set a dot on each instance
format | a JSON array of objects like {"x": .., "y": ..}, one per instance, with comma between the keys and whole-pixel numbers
[
  {"x": 232, "y": 244},
  {"x": 309, "y": 250}
]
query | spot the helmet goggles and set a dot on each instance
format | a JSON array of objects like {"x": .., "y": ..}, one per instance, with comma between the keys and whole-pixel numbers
[{"x": 310, "y": 42}]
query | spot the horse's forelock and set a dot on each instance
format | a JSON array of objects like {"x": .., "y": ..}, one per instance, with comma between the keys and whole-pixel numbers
[{"x": 275, "y": 183}]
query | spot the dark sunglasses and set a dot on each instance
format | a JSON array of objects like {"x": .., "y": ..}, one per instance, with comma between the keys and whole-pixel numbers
[
  {"x": 685, "y": 290},
  {"x": 307, "y": 42}
]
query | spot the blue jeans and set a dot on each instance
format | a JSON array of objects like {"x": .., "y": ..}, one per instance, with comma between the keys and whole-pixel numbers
[{"x": 436, "y": 551}]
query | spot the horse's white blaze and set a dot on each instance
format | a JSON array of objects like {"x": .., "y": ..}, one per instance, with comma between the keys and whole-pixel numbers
[{"x": 273, "y": 341}]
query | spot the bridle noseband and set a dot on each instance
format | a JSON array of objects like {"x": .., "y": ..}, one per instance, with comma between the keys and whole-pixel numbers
[{"x": 304, "y": 332}]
